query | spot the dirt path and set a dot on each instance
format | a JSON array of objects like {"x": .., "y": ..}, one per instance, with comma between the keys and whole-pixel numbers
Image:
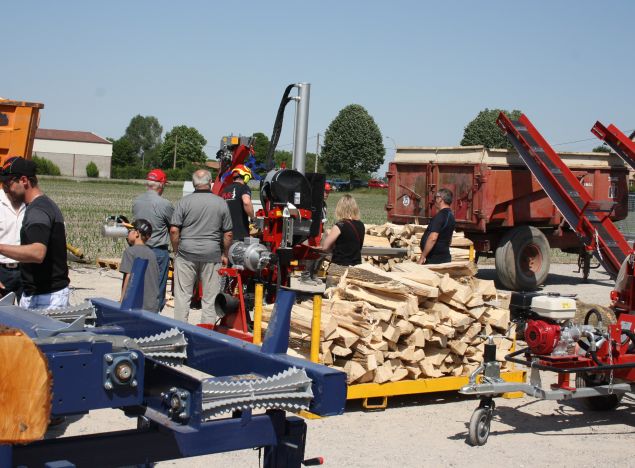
[{"x": 430, "y": 430}]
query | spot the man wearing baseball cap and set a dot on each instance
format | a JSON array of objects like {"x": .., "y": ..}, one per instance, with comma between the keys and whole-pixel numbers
[
  {"x": 42, "y": 249},
  {"x": 158, "y": 211}
]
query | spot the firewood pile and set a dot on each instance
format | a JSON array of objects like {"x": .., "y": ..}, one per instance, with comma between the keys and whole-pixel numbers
[
  {"x": 413, "y": 322},
  {"x": 408, "y": 236}
]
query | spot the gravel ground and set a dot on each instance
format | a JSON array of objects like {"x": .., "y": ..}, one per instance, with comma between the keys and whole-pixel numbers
[{"x": 430, "y": 430}]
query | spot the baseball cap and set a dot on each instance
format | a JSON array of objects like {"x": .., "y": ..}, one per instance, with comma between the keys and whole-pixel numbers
[
  {"x": 142, "y": 226},
  {"x": 17, "y": 167},
  {"x": 157, "y": 175}
]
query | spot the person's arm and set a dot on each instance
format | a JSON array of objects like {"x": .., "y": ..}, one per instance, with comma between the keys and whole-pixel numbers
[
  {"x": 430, "y": 242},
  {"x": 228, "y": 238},
  {"x": 329, "y": 241},
  {"x": 124, "y": 285},
  {"x": 175, "y": 236},
  {"x": 30, "y": 253},
  {"x": 248, "y": 205}
]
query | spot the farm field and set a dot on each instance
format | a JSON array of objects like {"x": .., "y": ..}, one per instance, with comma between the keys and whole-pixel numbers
[{"x": 86, "y": 204}]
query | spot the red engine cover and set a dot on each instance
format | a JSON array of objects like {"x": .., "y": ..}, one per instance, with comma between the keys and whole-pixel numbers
[{"x": 541, "y": 337}]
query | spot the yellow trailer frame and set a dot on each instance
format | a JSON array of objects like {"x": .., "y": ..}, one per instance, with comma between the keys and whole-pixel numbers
[{"x": 382, "y": 391}]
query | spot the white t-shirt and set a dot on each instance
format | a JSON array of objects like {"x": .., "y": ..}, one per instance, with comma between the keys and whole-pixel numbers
[{"x": 10, "y": 224}]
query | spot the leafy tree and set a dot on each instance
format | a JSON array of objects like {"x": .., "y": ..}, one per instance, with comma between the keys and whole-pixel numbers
[
  {"x": 144, "y": 134},
  {"x": 484, "y": 131},
  {"x": 261, "y": 146},
  {"x": 92, "y": 170},
  {"x": 352, "y": 143},
  {"x": 601, "y": 149},
  {"x": 189, "y": 147},
  {"x": 123, "y": 153}
]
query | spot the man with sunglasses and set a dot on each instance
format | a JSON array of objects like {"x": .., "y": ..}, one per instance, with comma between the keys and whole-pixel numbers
[
  {"x": 435, "y": 243},
  {"x": 42, "y": 249}
]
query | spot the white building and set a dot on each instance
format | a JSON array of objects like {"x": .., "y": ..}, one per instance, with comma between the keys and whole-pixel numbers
[{"x": 71, "y": 151}]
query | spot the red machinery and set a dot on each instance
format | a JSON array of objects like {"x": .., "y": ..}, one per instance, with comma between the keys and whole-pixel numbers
[
  {"x": 289, "y": 223},
  {"x": 601, "y": 357}
]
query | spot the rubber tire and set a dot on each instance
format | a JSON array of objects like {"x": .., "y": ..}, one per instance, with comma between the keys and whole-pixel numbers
[
  {"x": 479, "y": 427},
  {"x": 507, "y": 261},
  {"x": 597, "y": 403}
]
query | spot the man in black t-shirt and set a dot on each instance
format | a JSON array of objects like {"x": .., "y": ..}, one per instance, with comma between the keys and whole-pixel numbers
[
  {"x": 238, "y": 197},
  {"x": 435, "y": 243},
  {"x": 42, "y": 249}
]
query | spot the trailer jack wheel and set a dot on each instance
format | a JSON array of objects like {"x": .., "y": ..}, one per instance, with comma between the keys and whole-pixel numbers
[{"x": 480, "y": 423}]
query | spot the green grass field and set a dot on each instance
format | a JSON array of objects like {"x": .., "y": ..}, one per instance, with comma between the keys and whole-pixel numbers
[{"x": 86, "y": 204}]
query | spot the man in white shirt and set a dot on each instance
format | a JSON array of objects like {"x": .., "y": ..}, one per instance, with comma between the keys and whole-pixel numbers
[{"x": 11, "y": 216}]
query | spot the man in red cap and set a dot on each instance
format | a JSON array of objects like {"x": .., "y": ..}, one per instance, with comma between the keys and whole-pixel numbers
[{"x": 158, "y": 211}]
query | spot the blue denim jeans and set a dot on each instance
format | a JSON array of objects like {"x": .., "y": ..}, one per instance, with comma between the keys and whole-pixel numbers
[{"x": 163, "y": 259}]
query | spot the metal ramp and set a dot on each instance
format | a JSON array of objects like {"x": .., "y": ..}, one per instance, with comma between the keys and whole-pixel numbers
[
  {"x": 587, "y": 217},
  {"x": 618, "y": 141}
]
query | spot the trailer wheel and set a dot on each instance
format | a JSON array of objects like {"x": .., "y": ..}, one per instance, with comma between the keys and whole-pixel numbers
[
  {"x": 596, "y": 403},
  {"x": 522, "y": 259}
]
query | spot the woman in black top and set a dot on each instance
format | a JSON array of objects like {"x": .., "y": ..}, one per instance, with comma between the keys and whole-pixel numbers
[
  {"x": 346, "y": 237},
  {"x": 435, "y": 243}
]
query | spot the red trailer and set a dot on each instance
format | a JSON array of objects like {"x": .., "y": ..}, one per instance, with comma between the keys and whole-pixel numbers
[{"x": 499, "y": 204}]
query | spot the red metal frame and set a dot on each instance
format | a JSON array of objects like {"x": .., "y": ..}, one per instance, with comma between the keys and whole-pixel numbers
[
  {"x": 600, "y": 236},
  {"x": 234, "y": 324},
  {"x": 618, "y": 141}
]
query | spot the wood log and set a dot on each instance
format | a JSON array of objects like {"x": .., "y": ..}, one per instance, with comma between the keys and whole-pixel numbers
[
  {"x": 383, "y": 373},
  {"x": 428, "y": 369},
  {"x": 455, "y": 269},
  {"x": 354, "y": 371},
  {"x": 424, "y": 320},
  {"x": 422, "y": 274},
  {"x": 497, "y": 318},
  {"x": 435, "y": 354},
  {"x": 458, "y": 347},
  {"x": 25, "y": 389},
  {"x": 399, "y": 373},
  {"x": 339, "y": 351},
  {"x": 459, "y": 320},
  {"x": 375, "y": 241},
  {"x": 416, "y": 338},
  {"x": 389, "y": 332}
]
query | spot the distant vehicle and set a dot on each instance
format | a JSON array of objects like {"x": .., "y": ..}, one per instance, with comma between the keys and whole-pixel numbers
[
  {"x": 357, "y": 183},
  {"x": 376, "y": 183},
  {"x": 340, "y": 185}
]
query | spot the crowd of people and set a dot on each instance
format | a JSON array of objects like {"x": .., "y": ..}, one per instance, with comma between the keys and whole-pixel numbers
[{"x": 199, "y": 229}]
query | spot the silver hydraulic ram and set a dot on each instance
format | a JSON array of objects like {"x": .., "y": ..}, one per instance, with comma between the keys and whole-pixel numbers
[{"x": 301, "y": 126}]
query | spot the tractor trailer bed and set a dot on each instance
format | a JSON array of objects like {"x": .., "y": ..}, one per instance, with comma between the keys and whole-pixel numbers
[{"x": 499, "y": 205}]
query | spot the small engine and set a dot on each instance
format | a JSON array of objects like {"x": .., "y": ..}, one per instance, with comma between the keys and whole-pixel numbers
[{"x": 548, "y": 330}]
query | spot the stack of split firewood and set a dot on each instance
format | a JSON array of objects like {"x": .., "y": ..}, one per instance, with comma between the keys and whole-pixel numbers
[
  {"x": 410, "y": 323},
  {"x": 408, "y": 236}
]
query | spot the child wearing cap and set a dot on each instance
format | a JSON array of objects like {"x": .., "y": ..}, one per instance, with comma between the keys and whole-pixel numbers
[{"x": 139, "y": 233}]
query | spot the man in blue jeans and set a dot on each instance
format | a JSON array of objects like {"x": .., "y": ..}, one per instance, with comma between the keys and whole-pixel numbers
[{"x": 158, "y": 211}]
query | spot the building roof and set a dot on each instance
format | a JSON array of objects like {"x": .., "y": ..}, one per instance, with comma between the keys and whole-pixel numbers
[{"x": 69, "y": 135}]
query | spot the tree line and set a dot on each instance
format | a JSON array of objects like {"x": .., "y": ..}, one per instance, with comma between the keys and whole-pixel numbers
[{"x": 352, "y": 146}]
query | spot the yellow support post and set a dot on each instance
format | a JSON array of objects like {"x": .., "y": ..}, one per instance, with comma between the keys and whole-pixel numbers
[
  {"x": 472, "y": 254},
  {"x": 315, "y": 328},
  {"x": 258, "y": 314}
]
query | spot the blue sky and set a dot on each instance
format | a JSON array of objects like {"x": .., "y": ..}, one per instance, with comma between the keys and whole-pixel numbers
[{"x": 421, "y": 69}]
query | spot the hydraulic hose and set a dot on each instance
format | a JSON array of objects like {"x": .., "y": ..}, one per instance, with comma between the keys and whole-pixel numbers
[
  {"x": 597, "y": 315},
  {"x": 277, "y": 127}
]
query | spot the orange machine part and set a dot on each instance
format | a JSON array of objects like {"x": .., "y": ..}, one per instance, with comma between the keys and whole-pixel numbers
[{"x": 18, "y": 123}]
